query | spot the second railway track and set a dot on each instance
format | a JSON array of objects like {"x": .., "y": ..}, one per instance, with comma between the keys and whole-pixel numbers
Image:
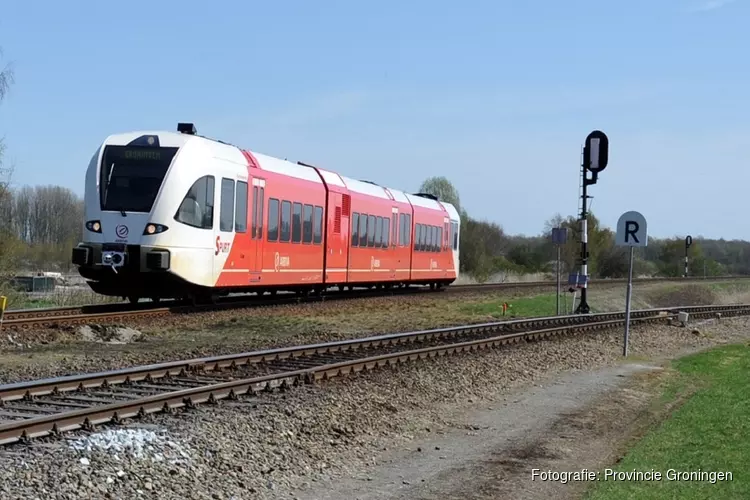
[
  {"x": 26, "y": 319},
  {"x": 52, "y": 406}
]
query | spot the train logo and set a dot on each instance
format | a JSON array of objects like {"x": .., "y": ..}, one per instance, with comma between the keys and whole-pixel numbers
[
  {"x": 279, "y": 261},
  {"x": 222, "y": 246},
  {"x": 122, "y": 231}
]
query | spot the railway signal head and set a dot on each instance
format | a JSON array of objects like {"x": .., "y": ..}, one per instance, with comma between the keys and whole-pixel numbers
[{"x": 596, "y": 152}]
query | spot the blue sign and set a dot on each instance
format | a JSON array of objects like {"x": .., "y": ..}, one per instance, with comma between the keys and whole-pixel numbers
[{"x": 577, "y": 279}]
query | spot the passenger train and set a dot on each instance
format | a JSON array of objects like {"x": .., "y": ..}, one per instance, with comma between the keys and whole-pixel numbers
[{"x": 179, "y": 215}]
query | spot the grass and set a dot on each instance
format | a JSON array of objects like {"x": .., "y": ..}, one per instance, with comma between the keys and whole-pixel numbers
[
  {"x": 519, "y": 307},
  {"x": 730, "y": 286},
  {"x": 710, "y": 432}
]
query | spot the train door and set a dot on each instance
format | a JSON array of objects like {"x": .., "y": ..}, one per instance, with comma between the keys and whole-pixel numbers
[
  {"x": 257, "y": 218},
  {"x": 339, "y": 207},
  {"x": 394, "y": 259},
  {"x": 224, "y": 233}
]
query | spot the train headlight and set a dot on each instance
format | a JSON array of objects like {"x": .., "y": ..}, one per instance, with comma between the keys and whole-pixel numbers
[
  {"x": 152, "y": 228},
  {"x": 94, "y": 226}
]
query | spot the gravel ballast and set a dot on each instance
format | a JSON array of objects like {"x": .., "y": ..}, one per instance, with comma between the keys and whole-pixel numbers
[{"x": 269, "y": 445}]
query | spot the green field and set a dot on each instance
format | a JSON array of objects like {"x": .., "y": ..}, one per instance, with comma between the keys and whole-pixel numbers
[
  {"x": 710, "y": 432},
  {"x": 520, "y": 307}
]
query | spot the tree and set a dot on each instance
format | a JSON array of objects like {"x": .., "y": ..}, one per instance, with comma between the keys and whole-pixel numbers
[
  {"x": 9, "y": 245},
  {"x": 6, "y": 79},
  {"x": 443, "y": 189}
]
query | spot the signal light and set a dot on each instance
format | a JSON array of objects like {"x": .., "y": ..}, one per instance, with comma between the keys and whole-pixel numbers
[
  {"x": 152, "y": 228},
  {"x": 94, "y": 226}
]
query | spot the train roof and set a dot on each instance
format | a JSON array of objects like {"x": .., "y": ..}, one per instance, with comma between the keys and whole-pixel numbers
[{"x": 298, "y": 170}]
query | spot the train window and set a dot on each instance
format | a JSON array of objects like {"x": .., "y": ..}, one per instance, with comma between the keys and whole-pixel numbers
[
  {"x": 318, "y": 226},
  {"x": 261, "y": 203},
  {"x": 286, "y": 221},
  {"x": 434, "y": 243},
  {"x": 197, "y": 208},
  {"x": 226, "y": 214},
  {"x": 455, "y": 235},
  {"x": 307, "y": 224},
  {"x": 363, "y": 230},
  {"x": 394, "y": 229},
  {"x": 378, "y": 232},
  {"x": 428, "y": 238},
  {"x": 355, "y": 229},
  {"x": 387, "y": 230},
  {"x": 370, "y": 230},
  {"x": 254, "y": 216},
  {"x": 401, "y": 226},
  {"x": 273, "y": 219},
  {"x": 441, "y": 244},
  {"x": 417, "y": 248},
  {"x": 297, "y": 223},
  {"x": 130, "y": 182},
  {"x": 425, "y": 237},
  {"x": 407, "y": 230},
  {"x": 240, "y": 208}
]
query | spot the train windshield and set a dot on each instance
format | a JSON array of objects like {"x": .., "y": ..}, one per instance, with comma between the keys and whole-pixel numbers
[{"x": 132, "y": 175}]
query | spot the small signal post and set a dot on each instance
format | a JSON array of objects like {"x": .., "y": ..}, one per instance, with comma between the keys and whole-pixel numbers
[
  {"x": 688, "y": 243},
  {"x": 632, "y": 231},
  {"x": 595, "y": 159}
]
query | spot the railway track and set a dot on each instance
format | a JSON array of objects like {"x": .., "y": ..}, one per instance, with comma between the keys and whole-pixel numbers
[
  {"x": 26, "y": 319},
  {"x": 53, "y": 406}
]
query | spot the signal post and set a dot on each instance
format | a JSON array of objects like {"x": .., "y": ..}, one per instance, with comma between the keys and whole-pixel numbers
[
  {"x": 632, "y": 231},
  {"x": 595, "y": 158}
]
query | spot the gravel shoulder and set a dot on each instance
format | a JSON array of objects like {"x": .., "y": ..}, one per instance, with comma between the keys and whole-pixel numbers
[
  {"x": 482, "y": 409},
  {"x": 566, "y": 424}
]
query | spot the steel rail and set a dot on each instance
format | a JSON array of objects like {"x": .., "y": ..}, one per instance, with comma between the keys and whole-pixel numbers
[
  {"x": 25, "y": 319},
  {"x": 91, "y": 399}
]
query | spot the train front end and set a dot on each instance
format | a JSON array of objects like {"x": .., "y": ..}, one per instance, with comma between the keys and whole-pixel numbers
[{"x": 128, "y": 233}]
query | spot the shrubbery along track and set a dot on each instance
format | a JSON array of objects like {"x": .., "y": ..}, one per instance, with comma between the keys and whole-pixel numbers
[{"x": 51, "y": 406}]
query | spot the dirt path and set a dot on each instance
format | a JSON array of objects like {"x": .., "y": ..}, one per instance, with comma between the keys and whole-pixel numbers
[{"x": 579, "y": 421}]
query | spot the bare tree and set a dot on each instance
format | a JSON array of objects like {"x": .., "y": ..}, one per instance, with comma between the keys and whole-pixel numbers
[{"x": 9, "y": 248}]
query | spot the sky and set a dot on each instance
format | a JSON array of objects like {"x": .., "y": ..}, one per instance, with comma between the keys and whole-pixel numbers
[{"x": 497, "y": 96}]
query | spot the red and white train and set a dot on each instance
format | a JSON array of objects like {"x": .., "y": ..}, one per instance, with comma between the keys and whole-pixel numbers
[{"x": 178, "y": 215}]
